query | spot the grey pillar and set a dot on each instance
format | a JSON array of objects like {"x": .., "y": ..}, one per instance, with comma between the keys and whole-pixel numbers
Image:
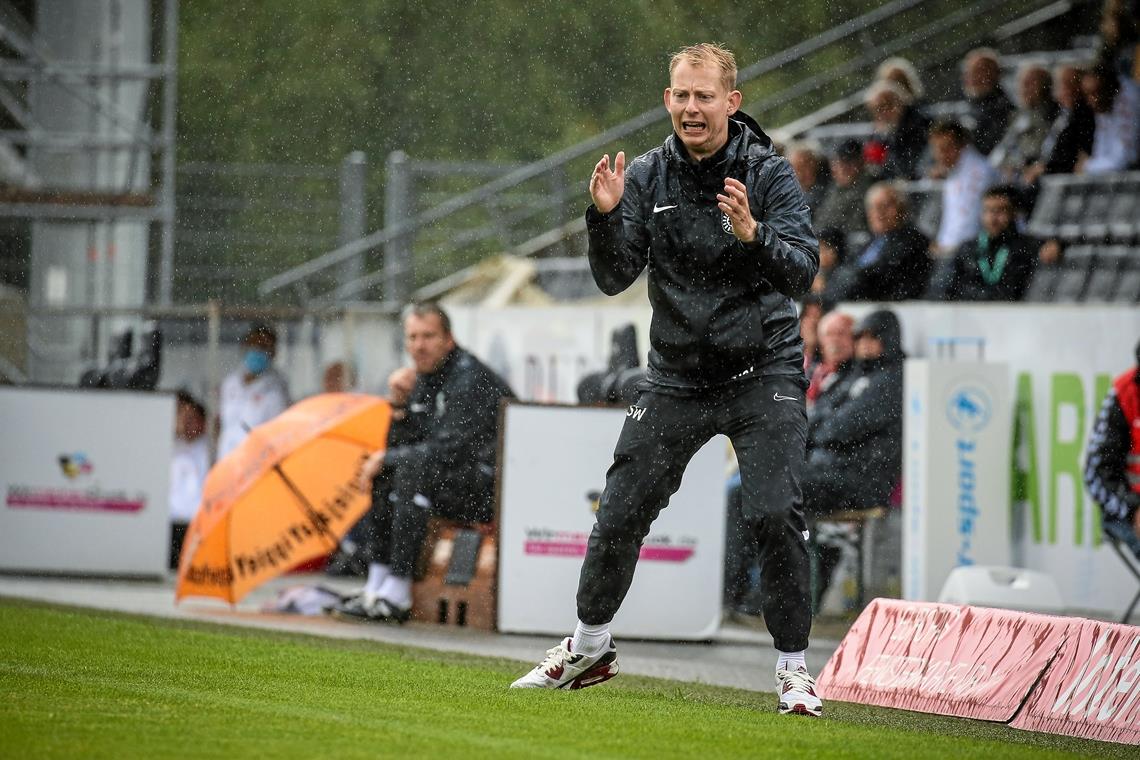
[
  {"x": 352, "y": 212},
  {"x": 398, "y": 272},
  {"x": 169, "y": 114}
]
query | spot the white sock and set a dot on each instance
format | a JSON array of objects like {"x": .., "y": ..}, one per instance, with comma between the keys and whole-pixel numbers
[
  {"x": 590, "y": 639},
  {"x": 397, "y": 590},
  {"x": 377, "y": 573},
  {"x": 791, "y": 660}
]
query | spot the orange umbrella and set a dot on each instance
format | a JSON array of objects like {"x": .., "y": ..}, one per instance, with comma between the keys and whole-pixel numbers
[{"x": 287, "y": 494}]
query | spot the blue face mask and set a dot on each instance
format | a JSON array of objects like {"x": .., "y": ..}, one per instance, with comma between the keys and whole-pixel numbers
[{"x": 256, "y": 361}]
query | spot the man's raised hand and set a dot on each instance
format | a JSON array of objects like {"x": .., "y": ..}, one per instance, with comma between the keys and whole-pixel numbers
[
  {"x": 606, "y": 187},
  {"x": 734, "y": 203}
]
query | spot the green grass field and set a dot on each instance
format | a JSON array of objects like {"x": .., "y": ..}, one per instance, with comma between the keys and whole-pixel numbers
[{"x": 82, "y": 684}]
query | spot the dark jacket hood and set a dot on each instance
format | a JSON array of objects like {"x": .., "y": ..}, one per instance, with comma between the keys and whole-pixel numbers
[{"x": 884, "y": 325}]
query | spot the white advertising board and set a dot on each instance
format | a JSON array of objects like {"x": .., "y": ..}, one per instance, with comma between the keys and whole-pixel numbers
[
  {"x": 84, "y": 481},
  {"x": 553, "y": 469},
  {"x": 956, "y": 440}
]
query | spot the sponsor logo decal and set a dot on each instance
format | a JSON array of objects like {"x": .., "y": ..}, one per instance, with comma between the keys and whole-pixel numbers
[
  {"x": 636, "y": 412},
  {"x": 91, "y": 499},
  {"x": 74, "y": 465},
  {"x": 560, "y": 543},
  {"x": 969, "y": 410}
]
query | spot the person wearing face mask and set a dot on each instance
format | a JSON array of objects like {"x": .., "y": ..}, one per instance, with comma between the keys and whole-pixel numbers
[{"x": 254, "y": 393}]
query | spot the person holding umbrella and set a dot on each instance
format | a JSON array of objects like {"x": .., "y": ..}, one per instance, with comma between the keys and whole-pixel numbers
[{"x": 440, "y": 460}]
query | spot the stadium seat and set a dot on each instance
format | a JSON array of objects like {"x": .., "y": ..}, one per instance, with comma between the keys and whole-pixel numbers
[
  {"x": 1094, "y": 224},
  {"x": 1075, "y": 268},
  {"x": 1007, "y": 588},
  {"x": 1128, "y": 281},
  {"x": 1043, "y": 221},
  {"x": 1122, "y": 214},
  {"x": 864, "y": 522},
  {"x": 1105, "y": 275},
  {"x": 1071, "y": 220},
  {"x": 1044, "y": 284}
]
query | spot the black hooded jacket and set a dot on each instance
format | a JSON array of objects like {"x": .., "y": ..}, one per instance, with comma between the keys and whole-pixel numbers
[
  {"x": 1110, "y": 446},
  {"x": 859, "y": 428},
  {"x": 452, "y": 416},
  {"x": 722, "y": 309}
]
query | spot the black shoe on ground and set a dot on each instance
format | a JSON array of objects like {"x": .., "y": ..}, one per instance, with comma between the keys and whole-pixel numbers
[{"x": 369, "y": 609}]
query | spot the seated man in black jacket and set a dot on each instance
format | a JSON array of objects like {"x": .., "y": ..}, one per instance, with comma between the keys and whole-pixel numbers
[
  {"x": 895, "y": 265},
  {"x": 1112, "y": 469},
  {"x": 855, "y": 433},
  {"x": 997, "y": 265},
  {"x": 440, "y": 460},
  {"x": 855, "y": 427}
]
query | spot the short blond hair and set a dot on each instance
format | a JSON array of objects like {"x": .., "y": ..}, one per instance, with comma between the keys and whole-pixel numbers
[{"x": 711, "y": 54}]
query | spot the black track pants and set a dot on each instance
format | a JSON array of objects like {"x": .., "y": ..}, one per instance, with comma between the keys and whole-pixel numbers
[
  {"x": 767, "y": 424},
  {"x": 404, "y": 499}
]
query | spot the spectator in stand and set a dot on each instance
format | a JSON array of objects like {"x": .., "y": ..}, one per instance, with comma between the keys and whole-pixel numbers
[
  {"x": 989, "y": 106},
  {"x": 811, "y": 311},
  {"x": 842, "y": 205},
  {"x": 1119, "y": 36},
  {"x": 440, "y": 459},
  {"x": 188, "y": 468},
  {"x": 1114, "y": 104},
  {"x": 898, "y": 141},
  {"x": 807, "y": 164},
  {"x": 832, "y": 252},
  {"x": 1112, "y": 469},
  {"x": 338, "y": 377},
  {"x": 1071, "y": 133},
  {"x": 903, "y": 73},
  {"x": 836, "y": 347},
  {"x": 253, "y": 394},
  {"x": 967, "y": 175},
  {"x": 855, "y": 431},
  {"x": 895, "y": 265},
  {"x": 997, "y": 265},
  {"x": 1021, "y": 144}
]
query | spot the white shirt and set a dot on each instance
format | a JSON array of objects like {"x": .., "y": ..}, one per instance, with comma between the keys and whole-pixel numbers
[
  {"x": 188, "y": 470},
  {"x": 962, "y": 198},
  {"x": 245, "y": 406},
  {"x": 1114, "y": 141}
]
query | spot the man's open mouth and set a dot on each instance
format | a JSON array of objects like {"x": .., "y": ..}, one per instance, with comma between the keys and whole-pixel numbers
[{"x": 692, "y": 126}]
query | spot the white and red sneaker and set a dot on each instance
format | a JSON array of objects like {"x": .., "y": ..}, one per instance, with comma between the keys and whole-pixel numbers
[
  {"x": 796, "y": 689},
  {"x": 564, "y": 669}
]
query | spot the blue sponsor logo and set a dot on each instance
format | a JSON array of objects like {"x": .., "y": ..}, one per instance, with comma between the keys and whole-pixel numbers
[{"x": 969, "y": 410}]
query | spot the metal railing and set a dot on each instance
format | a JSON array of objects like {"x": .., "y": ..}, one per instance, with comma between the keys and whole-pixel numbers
[{"x": 855, "y": 46}]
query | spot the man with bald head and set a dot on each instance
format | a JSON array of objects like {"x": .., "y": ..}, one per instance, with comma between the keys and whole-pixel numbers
[
  {"x": 836, "y": 347},
  {"x": 990, "y": 107},
  {"x": 1036, "y": 111},
  {"x": 895, "y": 265}
]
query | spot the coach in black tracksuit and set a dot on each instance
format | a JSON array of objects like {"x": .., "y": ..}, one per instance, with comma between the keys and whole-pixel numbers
[{"x": 725, "y": 357}]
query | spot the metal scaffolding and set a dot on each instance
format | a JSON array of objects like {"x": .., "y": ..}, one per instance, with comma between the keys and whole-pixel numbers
[
  {"x": 87, "y": 105},
  {"x": 144, "y": 189}
]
